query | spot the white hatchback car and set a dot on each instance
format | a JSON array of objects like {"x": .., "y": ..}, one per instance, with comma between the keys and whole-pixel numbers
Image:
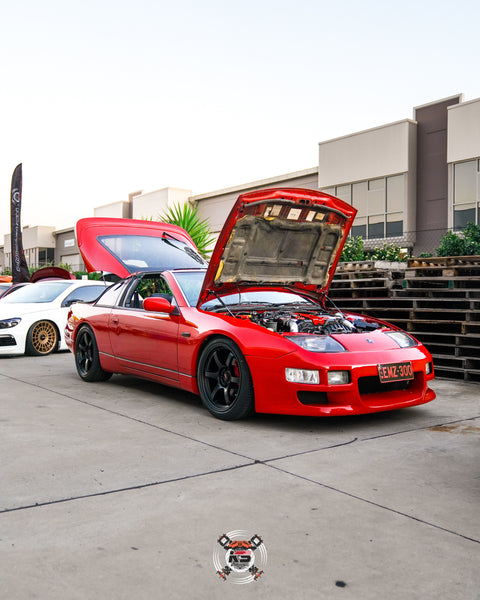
[{"x": 33, "y": 317}]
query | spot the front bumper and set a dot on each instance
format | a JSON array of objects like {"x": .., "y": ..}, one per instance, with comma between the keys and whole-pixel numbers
[
  {"x": 9, "y": 344},
  {"x": 364, "y": 394}
]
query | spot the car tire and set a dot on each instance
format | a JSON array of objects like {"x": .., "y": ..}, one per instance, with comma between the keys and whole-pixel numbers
[
  {"x": 224, "y": 380},
  {"x": 42, "y": 339},
  {"x": 87, "y": 359}
]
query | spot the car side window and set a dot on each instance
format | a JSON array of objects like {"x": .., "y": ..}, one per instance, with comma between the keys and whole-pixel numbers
[
  {"x": 84, "y": 294},
  {"x": 112, "y": 295},
  {"x": 148, "y": 286}
]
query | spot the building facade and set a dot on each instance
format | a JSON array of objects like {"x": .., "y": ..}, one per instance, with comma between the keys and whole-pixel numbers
[
  {"x": 215, "y": 206},
  {"x": 38, "y": 244},
  {"x": 411, "y": 181},
  {"x": 463, "y": 158}
]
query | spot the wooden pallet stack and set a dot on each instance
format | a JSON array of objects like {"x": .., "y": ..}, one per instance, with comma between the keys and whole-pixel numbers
[
  {"x": 366, "y": 279},
  {"x": 436, "y": 299}
]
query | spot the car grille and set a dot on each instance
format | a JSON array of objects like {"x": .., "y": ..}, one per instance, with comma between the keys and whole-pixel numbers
[{"x": 373, "y": 385}]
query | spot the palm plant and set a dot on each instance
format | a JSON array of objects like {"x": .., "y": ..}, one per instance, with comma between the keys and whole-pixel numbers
[{"x": 186, "y": 216}]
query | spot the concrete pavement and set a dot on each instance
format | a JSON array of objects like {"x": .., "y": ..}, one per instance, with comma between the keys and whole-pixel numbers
[{"x": 121, "y": 489}]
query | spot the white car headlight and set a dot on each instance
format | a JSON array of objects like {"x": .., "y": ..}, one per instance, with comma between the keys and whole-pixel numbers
[
  {"x": 401, "y": 338},
  {"x": 317, "y": 343},
  {"x": 302, "y": 375},
  {"x": 8, "y": 323}
]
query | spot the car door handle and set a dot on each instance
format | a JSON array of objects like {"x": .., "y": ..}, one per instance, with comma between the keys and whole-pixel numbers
[{"x": 115, "y": 320}]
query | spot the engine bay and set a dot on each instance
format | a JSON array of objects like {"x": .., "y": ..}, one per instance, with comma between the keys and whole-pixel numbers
[{"x": 323, "y": 323}]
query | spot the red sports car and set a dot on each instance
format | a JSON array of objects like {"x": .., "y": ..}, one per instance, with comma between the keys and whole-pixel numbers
[{"x": 252, "y": 330}]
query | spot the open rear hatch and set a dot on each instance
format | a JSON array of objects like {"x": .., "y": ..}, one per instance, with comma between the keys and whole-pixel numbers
[{"x": 125, "y": 246}]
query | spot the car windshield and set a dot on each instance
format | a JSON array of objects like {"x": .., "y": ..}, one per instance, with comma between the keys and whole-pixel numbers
[
  {"x": 139, "y": 252},
  {"x": 37, "y": 292},
  {"x": 191, "y": 282},
  {"x": 271, "y": 298}
]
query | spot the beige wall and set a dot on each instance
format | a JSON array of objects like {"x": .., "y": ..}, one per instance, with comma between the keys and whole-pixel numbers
[
  {"x": 463, "y": 141},
  {"x": 463, "y": 131},
  {"x": 33, "y": 239},
  {"x": 66, "y": 249},
  {"x": 152, "y": 204},
  {"x": 365, "y": 155},
  {"x": 116, "y": 209},
  {"x": 40, "y": 236},
  {"x": 144, "y": 205}
]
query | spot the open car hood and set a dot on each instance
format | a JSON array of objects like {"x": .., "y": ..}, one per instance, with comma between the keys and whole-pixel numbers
[
  {"x": 280, "y": 238},
  {"x": 124, "y": 246}
]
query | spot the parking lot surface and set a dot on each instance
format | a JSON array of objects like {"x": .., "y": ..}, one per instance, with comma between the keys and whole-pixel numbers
[{"x": 121, "y": 490}]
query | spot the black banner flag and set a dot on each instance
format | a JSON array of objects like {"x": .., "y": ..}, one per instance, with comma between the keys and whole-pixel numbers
[{"x": 20, "y": 271}]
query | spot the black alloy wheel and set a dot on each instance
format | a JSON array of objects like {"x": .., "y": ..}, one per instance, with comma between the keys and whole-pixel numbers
[
  {"x": 87, "y": 359},
  {"x": 224, "y": 380}
]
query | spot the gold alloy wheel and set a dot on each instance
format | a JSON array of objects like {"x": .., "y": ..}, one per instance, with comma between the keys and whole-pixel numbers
[{"x": 43, "y": 337}]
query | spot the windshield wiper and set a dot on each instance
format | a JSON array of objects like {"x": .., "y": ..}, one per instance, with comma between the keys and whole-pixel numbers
[
  {"x": 300, "y": 305},
  {"x": 194, "y": 255},
  {"x": 185, "y": 248}
]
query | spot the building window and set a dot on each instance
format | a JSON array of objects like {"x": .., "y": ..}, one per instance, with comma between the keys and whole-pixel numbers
[
  {"x": 46, "y": 256},
  {"x": 344, "y": 192},
  {"x": 380, "y": 206},
  {"x": 359, "y": 228},
  {"x": 466, "y": 193}
]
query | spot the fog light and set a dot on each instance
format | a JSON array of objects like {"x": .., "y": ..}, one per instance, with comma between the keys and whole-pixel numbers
[
  {"x": 338, "y": 377},
  {"x": 301, "y": 376},
  {"x": 429, "y": 368}
]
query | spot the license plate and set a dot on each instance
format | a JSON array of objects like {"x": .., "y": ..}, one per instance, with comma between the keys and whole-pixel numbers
[{"x": 395, "y": 372}]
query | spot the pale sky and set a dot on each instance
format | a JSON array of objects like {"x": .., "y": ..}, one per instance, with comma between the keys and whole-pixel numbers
[{"x": 101, "y": 98}]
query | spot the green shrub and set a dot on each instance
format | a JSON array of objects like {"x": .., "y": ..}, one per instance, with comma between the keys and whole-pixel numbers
[
  {"x": 353, "y": 250},
  {"x": 65, "y": 266},
  {"x": 94, "y": 276},
  {"x": 471, "y": 235},
  {"x": 388, "y": 252},
  {"x": 466, "y": 244}
]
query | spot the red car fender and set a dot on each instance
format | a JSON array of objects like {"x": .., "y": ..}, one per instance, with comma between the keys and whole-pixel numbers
[
  {"x": 98, "y": 321},
  {"x": 198, "y": 327}
]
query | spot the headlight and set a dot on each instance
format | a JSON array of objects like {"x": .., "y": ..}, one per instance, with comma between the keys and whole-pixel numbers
[
  {"x": 7, "y": 323},
  {"x": 402, "y": 339},
  {"x": 302, "y": 376},
  {"x": 316, "y": 343}
]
